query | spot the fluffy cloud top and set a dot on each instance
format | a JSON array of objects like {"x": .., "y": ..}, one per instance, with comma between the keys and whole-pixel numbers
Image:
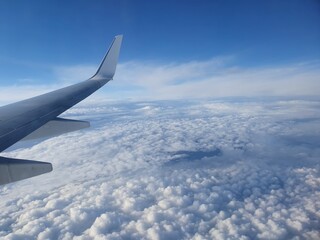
[{"x": 174, "y": 170}]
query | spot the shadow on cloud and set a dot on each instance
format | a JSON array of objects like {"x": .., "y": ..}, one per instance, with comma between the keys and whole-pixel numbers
[{"x": 183, "y": 157}]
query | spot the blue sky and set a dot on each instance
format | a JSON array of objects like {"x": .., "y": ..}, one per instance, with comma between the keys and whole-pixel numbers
[{"x": 39, "y": 37}]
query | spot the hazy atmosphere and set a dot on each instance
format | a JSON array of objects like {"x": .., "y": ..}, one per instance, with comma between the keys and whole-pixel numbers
[{"x": 210, "y": 128}]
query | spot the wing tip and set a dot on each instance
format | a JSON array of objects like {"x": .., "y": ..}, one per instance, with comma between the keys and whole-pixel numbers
[{"x": 108, "y": 65}]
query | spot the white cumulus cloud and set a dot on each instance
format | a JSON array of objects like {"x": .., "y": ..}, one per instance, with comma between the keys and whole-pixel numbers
[{"x": 174, "y": 170}]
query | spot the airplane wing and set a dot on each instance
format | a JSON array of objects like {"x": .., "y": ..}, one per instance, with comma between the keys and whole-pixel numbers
[{"x": 21, "y": 119}]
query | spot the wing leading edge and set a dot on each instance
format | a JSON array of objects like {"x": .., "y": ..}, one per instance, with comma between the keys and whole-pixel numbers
[{"x": 20, "y": 119}]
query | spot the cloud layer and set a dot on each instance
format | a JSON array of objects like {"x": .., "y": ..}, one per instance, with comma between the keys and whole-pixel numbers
[
  {"x": 174, "y": 170},
  {"x": 218, "y": 77}
]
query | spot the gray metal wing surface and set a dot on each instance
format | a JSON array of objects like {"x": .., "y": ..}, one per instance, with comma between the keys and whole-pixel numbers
[{"x": 19, "y": 120}]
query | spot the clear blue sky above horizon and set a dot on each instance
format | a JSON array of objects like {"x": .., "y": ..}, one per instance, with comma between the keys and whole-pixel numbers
[{"x": 35, "y": 35}]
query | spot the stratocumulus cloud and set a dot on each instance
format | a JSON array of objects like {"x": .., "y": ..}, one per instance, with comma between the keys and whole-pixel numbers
[{"x": 174, "y": 170}]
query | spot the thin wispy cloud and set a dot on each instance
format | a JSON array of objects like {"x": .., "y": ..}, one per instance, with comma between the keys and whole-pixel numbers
[
  {"x": 17, "y": 92},
  {"x": 218, "y": 77},
  {"x": 73, "y": 74}
]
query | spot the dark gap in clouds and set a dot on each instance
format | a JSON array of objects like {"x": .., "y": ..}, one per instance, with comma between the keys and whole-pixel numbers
[{"x": 182, "y": 157}]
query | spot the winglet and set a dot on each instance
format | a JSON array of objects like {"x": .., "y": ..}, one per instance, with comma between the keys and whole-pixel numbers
[{"x": 108, "y": 65}]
